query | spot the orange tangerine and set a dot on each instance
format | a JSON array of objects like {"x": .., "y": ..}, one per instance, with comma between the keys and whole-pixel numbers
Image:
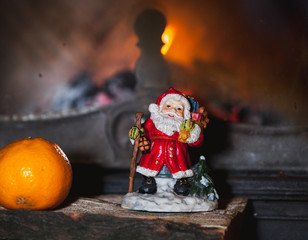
[{"x": 34, "y": 174}]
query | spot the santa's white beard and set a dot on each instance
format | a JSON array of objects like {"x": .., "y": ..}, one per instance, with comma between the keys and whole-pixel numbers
[{"x": 166, "y": 124}]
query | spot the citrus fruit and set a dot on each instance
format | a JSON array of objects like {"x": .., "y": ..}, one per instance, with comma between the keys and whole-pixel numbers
[{"x": 34, "y": 174}]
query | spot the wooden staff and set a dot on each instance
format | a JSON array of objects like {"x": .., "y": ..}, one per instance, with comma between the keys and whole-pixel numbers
[{"x": 133, "y": 162}]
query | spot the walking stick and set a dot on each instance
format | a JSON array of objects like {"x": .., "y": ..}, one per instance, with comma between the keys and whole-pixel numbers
[{"x": 133, "y": 162}]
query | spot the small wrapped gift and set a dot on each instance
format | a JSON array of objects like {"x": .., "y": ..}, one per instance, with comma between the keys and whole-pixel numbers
[
  {"x": 198, "y": 114},
  {"x": 200, "y": 117}
]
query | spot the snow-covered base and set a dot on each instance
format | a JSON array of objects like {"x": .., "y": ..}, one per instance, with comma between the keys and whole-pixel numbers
[{"x": 165, "y": 200}]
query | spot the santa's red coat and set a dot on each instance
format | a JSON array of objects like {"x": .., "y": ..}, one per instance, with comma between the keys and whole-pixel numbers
[{"x": 166, "y": 150}]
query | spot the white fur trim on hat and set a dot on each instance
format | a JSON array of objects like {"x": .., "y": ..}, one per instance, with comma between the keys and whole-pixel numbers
[
  {"x": 183, "y": 174},
  {"x": 177, "y": 97},
  {"x": 146, "y": 171}
]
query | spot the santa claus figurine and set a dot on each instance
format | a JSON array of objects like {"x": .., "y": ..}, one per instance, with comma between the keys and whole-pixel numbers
[{"x": 163, "y": 130}]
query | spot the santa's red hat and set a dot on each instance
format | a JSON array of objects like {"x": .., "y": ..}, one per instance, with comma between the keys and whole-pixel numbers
[{"x": 174, "y": 94}]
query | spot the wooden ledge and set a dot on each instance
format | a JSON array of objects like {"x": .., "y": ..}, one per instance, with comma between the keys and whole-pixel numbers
[{"x": 103, "y": 218}]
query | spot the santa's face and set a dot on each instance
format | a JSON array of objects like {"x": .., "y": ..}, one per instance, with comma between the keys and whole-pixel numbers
[
  {"x": 173, "y": 108},
  {"x": 169, "y": 116}
]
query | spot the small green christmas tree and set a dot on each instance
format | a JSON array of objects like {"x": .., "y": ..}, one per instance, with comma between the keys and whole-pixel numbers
[{"x": 201, "y": 184}]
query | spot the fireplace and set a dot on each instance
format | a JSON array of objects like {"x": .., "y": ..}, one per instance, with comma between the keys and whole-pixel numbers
[
  {"x": 76, "y": 73},
  {"x": 234, "y": 56},
  {"x": 61, "y": 67}
]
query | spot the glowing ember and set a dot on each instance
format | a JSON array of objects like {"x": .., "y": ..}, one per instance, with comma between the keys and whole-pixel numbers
[{"x": 167, "y": 38}]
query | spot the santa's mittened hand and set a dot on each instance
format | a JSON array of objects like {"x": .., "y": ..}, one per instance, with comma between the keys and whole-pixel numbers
[
  {"x": 133, "y": 133},
  {"x": 194, "y": 134}
]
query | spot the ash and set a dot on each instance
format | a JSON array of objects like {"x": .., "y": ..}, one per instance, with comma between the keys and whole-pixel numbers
[
  {"x": 82, "y": 92},
  {"x": 165, "y": 200}
]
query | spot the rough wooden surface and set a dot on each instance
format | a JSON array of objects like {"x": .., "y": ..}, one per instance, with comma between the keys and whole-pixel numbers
[{"x": 103, "y": 218}]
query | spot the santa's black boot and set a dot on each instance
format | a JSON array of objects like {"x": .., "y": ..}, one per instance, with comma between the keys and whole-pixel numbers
[
  {"x": 148, "y": 185},
  {"x": 181, "y": 187}
]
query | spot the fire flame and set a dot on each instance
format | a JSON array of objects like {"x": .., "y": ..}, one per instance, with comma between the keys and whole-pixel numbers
[{"x": 167, "y": 38}]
